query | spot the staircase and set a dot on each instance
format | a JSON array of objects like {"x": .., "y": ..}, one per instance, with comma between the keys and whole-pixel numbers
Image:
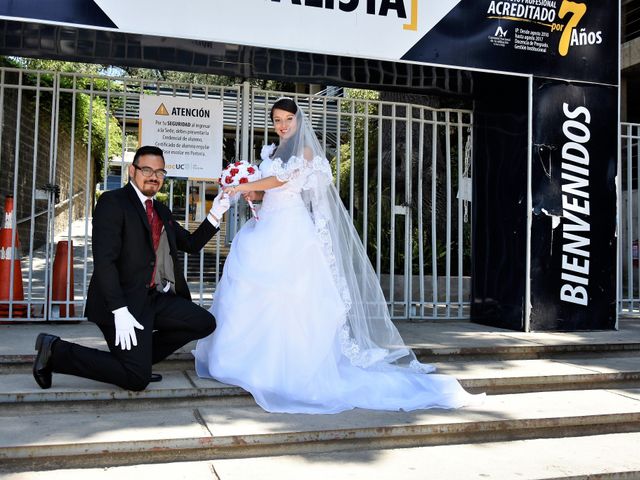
[{"x": 558, "y": 406}]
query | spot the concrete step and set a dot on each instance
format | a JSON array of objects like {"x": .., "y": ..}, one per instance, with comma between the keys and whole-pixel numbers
[
  {"x": 18, "y": 391},
  {"x": 523, "y": 352},
  {"x": 14, "y": 361},
  {"x": 607, "y": 456},
  {"x": 432, "y": 341},
  {"x": 94, "y": 438},
  {"x": 556, "y": 373},
  {"x": 434, "y": 354},
  {"x": 598, "y": 456}
]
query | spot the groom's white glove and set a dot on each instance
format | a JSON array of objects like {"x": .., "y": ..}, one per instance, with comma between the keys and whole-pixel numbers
[
  {"x": 125, "y": 328},
  {"x": 220, "y": 205}
]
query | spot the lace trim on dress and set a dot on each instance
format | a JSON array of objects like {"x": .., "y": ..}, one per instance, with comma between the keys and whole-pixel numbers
[
  {"x": 323, "y": 233},
  {"x": 315, "y": 172},
  {"x": 287, "y": 172},
  {"x": 421, "y": 367},
  {"x": 357, "y": 356},
  {"x": 349, "y": 347},
  {"x": 318, "y": 170}
]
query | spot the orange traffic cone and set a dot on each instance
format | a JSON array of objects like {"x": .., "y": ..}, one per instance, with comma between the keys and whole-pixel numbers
[
  {"x": 8, "y": 257},
  {"x": 59, "y": 287}
]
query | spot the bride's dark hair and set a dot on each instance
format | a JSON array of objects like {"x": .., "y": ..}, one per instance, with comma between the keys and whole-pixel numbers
[
  {"x": 286, "y": 104},
  {"x": 287, "y": 147}
]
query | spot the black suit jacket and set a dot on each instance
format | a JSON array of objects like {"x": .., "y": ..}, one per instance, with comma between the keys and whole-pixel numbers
[{"x": 123, "y": 255}]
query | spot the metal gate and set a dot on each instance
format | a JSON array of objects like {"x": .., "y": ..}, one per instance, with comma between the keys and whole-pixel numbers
[
  {"x": 28, "y": 123},
  {"x": 403, "y": 172},
  {"x": 61, "y": 133}
]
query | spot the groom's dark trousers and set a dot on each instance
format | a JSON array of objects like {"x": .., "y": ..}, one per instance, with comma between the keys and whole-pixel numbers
[{"x": 124, "y": 262}]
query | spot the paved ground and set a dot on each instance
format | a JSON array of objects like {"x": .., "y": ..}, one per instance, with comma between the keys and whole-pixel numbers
[
  {"x": 181, "y": 412},
  {"x": 526, "y": 459}
]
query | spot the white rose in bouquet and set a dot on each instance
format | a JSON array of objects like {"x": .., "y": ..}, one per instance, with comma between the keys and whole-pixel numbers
[{"x": 237, "y": 173}]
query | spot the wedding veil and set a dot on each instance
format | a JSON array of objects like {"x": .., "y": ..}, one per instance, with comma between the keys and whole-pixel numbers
[{"x": 368, "y": 337}]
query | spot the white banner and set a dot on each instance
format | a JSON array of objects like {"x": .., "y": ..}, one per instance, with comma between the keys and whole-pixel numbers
[
  {"x": 378, "y": 29},
  {"x": 570, "y": 39},
  {"x": 189, "y": 132}
]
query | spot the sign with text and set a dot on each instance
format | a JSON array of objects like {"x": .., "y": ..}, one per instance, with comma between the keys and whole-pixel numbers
[
  {"x": 573, "y": 232},
  {"x": 188, "y": 130},
  {"x": 567, "y": 39},
  {"x": 576, "y": 40}
]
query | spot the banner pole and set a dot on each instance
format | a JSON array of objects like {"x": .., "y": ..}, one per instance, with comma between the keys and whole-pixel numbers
[
  {"x": 619, "y": 179},
  {"x": 246, "y": 99},
  {"x": 527, "y": 283}
]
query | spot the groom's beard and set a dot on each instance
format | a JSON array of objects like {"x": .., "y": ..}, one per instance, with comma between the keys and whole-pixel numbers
[{"x": 150, "y": 188}]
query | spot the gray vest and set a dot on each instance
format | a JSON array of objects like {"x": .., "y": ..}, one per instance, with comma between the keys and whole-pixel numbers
[{"x": 165, "y": 279}]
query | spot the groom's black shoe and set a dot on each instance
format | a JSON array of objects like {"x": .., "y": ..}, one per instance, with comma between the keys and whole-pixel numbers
[
  {"x": 42, "y": 364},
  {"x": 155, "y": 377}
]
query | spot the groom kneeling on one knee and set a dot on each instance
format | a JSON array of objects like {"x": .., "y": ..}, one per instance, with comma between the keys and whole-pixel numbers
[{"x": 137, "y": 296}]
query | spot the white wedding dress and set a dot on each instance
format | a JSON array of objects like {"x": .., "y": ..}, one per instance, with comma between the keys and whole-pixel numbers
[{"x": 281, "y": 331}]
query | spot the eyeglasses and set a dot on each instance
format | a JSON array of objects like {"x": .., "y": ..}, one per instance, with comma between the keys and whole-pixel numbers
[{"x": 148, "y": 171}]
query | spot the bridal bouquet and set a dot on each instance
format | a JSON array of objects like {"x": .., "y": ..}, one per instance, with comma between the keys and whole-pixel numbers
[{"x": 240, "y": 172}]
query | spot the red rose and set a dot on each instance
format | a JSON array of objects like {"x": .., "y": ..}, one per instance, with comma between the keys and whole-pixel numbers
[
  {"x": 251, "y": 170},
  {"x": 228, "y": 180},
  {"x": 237, "y": 164},
  {"x": 234, "y": 171},
  {"x": 244, "y": 180},
  {"x": 219, "y": 180}
]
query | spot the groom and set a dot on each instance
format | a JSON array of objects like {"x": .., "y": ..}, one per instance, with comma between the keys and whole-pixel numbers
[{"x": 138, "y": 296}]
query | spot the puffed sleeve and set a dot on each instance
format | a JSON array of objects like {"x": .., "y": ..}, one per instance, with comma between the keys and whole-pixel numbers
[{"x": 294, "y": 170}]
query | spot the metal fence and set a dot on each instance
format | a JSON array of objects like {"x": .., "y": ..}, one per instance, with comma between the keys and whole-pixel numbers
[
  {"x": 58, "y": 131},
  {"x": 403, "y": 172}
]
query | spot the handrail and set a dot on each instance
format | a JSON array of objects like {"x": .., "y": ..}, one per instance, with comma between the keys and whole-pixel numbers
[
  {"x": 57, "y": 206},
  {"x": 28, "y": 219}
]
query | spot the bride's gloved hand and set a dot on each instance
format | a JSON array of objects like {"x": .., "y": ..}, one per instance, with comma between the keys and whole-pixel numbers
[
  {"x": 125, "y": 328},
  {"x": 220, "y": 205}
]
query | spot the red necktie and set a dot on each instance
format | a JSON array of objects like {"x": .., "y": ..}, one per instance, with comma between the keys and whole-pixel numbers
[{"x": 156, "y": 230}]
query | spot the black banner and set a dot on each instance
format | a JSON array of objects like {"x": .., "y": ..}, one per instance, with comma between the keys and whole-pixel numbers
[
  {"x": 575, "y": 40},
  {"x": 499, "y": 227},
  {"x": 573, "y": 241},
  {"x": 80, "y": 12}
]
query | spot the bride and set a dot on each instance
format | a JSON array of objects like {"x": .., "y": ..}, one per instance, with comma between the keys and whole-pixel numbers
[{"x": 302, "y": 323}]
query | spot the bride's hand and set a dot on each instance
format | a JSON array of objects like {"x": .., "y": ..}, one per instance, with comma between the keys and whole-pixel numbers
[{"x": 250, "y": 196}]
